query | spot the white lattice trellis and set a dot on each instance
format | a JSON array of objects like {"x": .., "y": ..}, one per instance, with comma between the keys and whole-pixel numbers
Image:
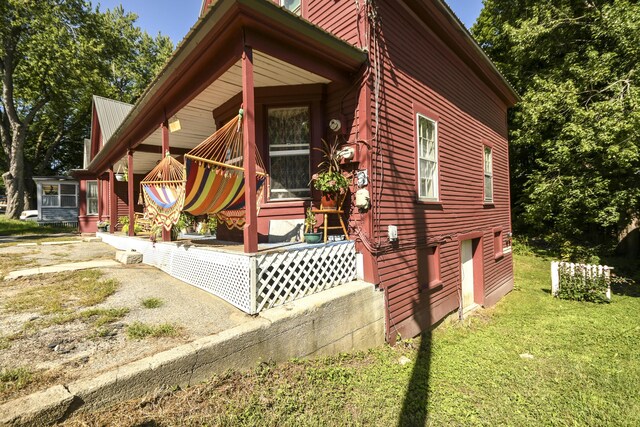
[
  {"x": 289, "y": 275},
  {"x": 250, "y": 282},
  {"x": 223, "y": 274}
]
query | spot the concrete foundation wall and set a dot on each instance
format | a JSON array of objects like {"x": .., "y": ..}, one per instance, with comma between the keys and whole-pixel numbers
[{"x": 346, "y": 318}]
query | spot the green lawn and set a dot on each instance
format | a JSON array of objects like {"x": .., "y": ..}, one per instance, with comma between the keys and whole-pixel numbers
[
  {"x": 11, "y": 227},
  {"x": 585, "y": 370}
]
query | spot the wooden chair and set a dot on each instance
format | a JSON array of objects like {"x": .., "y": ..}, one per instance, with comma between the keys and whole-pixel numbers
[
  {"x": 143, "y": 222},
  {"x": 325, "y": 212}
]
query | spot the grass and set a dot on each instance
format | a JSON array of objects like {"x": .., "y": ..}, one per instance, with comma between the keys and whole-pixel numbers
[
  {"x": 14, "y": 261},
  {"x": 62, "y": 292},
  {"x": 14, "y": 379},
  {"x": 12, "y": 227},
  {"x": 152, "y": 303},
  {"x": 585, "y": 370},
  {"x": 139, "y": 330}
]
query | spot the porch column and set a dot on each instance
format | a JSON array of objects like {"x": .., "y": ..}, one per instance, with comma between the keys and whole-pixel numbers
[
  {"x": 113, "y": 205},
  {"x": 249, "y": 140},
  {"x": 130, "y": 196},
  {"x": 166, "y": 235}
]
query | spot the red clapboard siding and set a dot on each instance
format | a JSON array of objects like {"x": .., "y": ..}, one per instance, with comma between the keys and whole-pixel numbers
[{"x": 427, "y": 72}]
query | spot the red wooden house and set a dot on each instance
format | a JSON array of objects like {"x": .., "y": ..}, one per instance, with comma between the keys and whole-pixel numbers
[{"x": 422, "y": 106}]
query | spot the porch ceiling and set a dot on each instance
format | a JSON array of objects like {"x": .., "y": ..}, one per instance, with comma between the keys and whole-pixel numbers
[{"x": 196, "y": 119}]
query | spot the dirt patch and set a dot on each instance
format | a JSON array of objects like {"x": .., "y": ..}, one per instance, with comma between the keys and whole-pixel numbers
[{"x": 58, "y": 328}]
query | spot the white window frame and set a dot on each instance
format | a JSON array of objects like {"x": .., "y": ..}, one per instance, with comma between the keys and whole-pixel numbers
[
  {"x": 58, "y": 196},
  {"x": 90, "y": 198},
  {"x": 298, "y": 150},
  {"x": 297, "y": 11},
  {"x": 436, "y": 169},
  {"x": 488, "y": 172}
]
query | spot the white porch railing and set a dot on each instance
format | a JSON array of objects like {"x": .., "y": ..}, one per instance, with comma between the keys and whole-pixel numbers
[
  {"x": 251, "y": 282},
  {"x": 587, "y": 271}
]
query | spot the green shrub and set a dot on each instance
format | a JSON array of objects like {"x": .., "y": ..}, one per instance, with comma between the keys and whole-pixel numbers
[{"x": 581, "y": 285}]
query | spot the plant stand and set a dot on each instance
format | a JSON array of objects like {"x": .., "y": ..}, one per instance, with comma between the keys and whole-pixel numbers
[{"x": 325, "y": 221}]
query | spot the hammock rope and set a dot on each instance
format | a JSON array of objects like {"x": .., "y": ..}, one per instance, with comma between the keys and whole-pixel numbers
[
  {"x": 215, "y": 183},
  {"x": 163, "y": 192}
]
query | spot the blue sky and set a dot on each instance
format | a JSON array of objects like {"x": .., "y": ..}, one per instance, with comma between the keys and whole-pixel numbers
[{"x": 175, "y": 17}]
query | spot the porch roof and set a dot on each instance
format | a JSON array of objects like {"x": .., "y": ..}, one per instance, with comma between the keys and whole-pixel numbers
[{"x": 204, "y": 72}]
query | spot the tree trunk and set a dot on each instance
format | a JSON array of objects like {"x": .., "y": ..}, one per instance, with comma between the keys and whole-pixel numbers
[
  {"x": 30, "y": 197},
  {"x": 14, "y": 178}
]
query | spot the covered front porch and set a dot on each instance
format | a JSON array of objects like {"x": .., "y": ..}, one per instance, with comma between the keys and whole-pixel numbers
[{"x": 288, "y": 76}]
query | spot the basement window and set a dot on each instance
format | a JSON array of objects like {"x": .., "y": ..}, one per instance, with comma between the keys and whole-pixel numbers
[
  {"x": 429, "y": 267},
  {"x": 497, "y": 243}
]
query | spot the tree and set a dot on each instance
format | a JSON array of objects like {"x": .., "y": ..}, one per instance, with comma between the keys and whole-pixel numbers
[
  {"x": 575, "y": 136},
  {"x": 54, "y": 55}
]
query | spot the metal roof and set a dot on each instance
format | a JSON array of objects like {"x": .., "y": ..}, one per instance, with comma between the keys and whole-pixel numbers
[{"x": 111, "y": 114}]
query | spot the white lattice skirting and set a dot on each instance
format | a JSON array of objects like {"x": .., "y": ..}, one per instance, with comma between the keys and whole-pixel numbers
[{"x": 250, "y": 282}]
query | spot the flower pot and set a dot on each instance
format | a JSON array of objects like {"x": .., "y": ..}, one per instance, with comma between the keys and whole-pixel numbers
[
  {"x": 313, "y": 237},
  {"x": 119, "y": 176},
  {"x": 329, "y": 201},
  {"x": 103, "y": 228}
]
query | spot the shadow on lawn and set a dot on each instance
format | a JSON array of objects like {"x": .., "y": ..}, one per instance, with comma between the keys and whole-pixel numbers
[{"x": 414, "y": 406}]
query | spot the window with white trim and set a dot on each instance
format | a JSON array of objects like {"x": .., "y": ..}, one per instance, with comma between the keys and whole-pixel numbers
[
  {"x": 294, "y": 6},
  {"x": 59, "y": 195},
  {"x": 289, "y": 137},
  {"x": 427, "y": 147},
  {"x": 92, "y": 197},
  {"x": 488, "y": 174}
]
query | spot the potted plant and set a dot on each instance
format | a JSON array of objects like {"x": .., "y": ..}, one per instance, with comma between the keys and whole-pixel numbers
[
  {"x": 103, "y": 226},
  {"x": 329, "y": 179},
  {"x": 310, "y": 222},
  {"x": 121, "y": 176},
  {"x": 124, "y": 221},
  {"x": 185, "y": 223}
]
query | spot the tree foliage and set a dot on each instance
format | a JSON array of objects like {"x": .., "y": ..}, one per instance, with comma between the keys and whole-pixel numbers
[
  {"x": 54, "y": 55},
  {"x": 575, "y": 136}
]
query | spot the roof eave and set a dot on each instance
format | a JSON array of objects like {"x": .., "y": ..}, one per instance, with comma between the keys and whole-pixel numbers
[{"x": 216, "y": 11}]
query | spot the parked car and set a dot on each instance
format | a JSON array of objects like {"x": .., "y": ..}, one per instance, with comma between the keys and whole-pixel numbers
[{"x": 29, "y": 215}]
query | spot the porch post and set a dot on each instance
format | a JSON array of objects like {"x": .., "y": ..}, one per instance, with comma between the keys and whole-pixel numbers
[
  {"x": 166, "y": 234},
  {"x": 249, "y": 140},
  {"x": 113, "y": 206},
  {"x": 130, "y": 196}
]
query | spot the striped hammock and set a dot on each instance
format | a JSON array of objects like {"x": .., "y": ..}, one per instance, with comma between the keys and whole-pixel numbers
[
  {"x": 163, "y": 192},
  {"x": 215, "y": 182}
]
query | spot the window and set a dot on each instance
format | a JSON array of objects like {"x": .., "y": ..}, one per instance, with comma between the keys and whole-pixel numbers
[
  {"x": 59, "y": 195},
  {"x": 68, "y": 197},
  {"x": 429, "y": 267},
  {"x": 497, "y": 243},
  {"x": 427, "y": 159},
  {"x": 92, "y": 197},
  {"x": 488, "y": 174},
  {"x": 289, "y": 138},
  {"x": 50, "y": 196},
  {"x": 294, "y": 6}
]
